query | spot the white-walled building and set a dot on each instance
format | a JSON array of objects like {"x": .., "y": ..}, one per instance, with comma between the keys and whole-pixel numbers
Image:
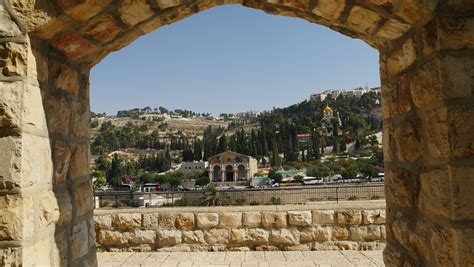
[{"x": 195, "y": 166}]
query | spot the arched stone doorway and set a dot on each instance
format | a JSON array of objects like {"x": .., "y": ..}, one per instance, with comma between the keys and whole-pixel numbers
[
  {"x": 216, "y": 174},
  {"x": 426, "y": 60},
  {"x": 229, "y": 173},
  {"x": 242, "y": 173}
]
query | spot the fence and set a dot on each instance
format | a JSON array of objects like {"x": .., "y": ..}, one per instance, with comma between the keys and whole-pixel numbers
[{"x": 268, "y": 196}]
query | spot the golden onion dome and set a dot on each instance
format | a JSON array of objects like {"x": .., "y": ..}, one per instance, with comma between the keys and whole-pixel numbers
[{"x": 327, "y": 109}]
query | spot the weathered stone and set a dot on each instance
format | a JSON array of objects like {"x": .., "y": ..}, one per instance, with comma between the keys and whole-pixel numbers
[
  {"x": 13, "y": 59},
  {"x": 16, "y": 222},
  {"x": 329, "y": 9},
  {"x": 413, "y": 11},
  {"x": 134, "y": 11},
  {"x": 207, "y": 220},
  {"x": 301, "y": 247},
  {"x": 61, "y": 160},
  {"x": 363, "y": 20},
  {"x": 230, "y": 219},
  {"x": 84, "y": 9},
  {"x": 103, "y": 28},
  {"x": 461, "y": 125},
  {"x": 150, "y": 221},
  {"x": 398, "y": 187},
  {"x": 266, "y": 248},
  {"x": 462, "y": 184},
  {"x": 193, "y": 237},
  {"x": 323, "y": 216},
  {"x": 349, "y": 217},
  {"x": 217, "y": 236},
  {"x": 80, "y": 240},
  {"x": 393, "y": 29},
  {"x": 274, "y": 220},
  {"x": 434, "y": 197},
  {"x": 373, "y": 216},
  {"x": 65, "y": 78},
  {"x": 11, "y": 98},
  {"x": 83, "y": 198},
  {"x": 48, "y": 209},
  {"x": 8, "y": 28},
  {"x": 285, "y": 236},
  {"x": 444, "y": 240},
  {"x": 300, "y": 218},
  {"x": 249, "y": 236},
  {"x": 401, "y": 58},
  {"x": 110, "y": 238},
  {"x": 407, "y": 140},
  {"x": 185, "y": 221},
  {"x": 74, "y": 45},
  {"x": 318, "y": 233},
  {"x": 297, "y": 4},
  {"x": 425, "y": 85},
  {"x": 365, "y": 233},
  {"x": 456, "y": 76},
  {"x": 252, "y": 219},
  {"x": 167, "y": 220},
  {"x": 103, "y": 222},
  {"x": 339, "y": 233},
  {"x": 126, "y": 221},
  {"x": 168, "y": 3},
  {"x": 169, "y": 237},
  {"x": 143, "y": 237},
  {"x": 58, "y": 115},
  {"x": 81, "y": 119},
  {"x": 80, "y": 161}
]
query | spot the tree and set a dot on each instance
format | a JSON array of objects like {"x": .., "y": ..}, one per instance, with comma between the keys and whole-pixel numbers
[
  {"x": 298, "y": 178},
  {"x": 212, "y": 197},
  {"x": 276, "y": 177}
]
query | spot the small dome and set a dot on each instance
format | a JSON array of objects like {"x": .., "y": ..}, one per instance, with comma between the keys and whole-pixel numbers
[{"x": 327, "y": 109}]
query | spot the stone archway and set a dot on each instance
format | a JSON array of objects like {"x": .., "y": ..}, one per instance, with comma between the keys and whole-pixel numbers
[
  {"x": 242, "y": 173},
  {"x": 229, "y": 173},
  {"x": 48, "y": 47}
]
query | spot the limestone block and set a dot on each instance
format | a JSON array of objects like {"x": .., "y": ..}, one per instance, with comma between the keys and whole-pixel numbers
[
  {"x": 217, "y": 236},
  {"x": 462, "y": 183},
  {"x": 426, "y": 85},
  {"x": 248, "y": 236},
  {"x": 434, "y": 197},
  {"x": 85, "y": 9},
  {"x": 134, "y": 11},
  {"x": 300, "y": 218},
  {"x": 36, "y": 164},
  {"x": 323, "y": 216},
  {"x": 80, "y": 161},
  {"x": 58, "y": 115},
  {"x": 230, "y": 219},
  {"x": 36, "y": 253},
  {"x": 318, "y": 233},
  {"x": 407, "y": 140},
  {"x": 81, "y": 118},
  {"x": 285, "y": 236},
  {"x": 363, "y": 20},
  {"x": 456, "y": 33},
  {"x": 143, "y": 237},
  {"x": 48, "y": 209},
  {"x": 297, "y": 4},
  {"x": 13, "y": 59},
  {"x": 352, "y": 216},
  {"x": 64, "y": 201},
  {"x": 8, "y": 27},
  {"x": 207, "y": 220},
  {"x": 168, "y": 3},
  {"x": 414, "y": 10},
  {"x": 373, "y": 216},
  {"x": 301, "y": 247},
  {"x": 80, "y": 240},
  {"x": 185, "y": 221},
  {"x": 398, "y": 188},
  {"x": 11, "y": 101},
  {"x": 461, "y": 126},
  {"x": 193, "y": 237},
  {"x": 150, "y": 220},
  {"x": 252, "y": 219},
  {"x": 340, "y": 233},
  {"x": 11, "y": 256},
  {"x": 10, "y": 162},
  {"x": 392, "y": 29},
  {"x": 401, "y": 58},
  {"x": 109, "y": 238},
  {"x": 64, "y": 77},
  {"x": 61, "y": 161},
  {"x": 166, "y": 220},
  {"x": 169, "y": 237},
  {"x": 16, "y": 220},
  {"x": 274, "y": 220},
  {"x": 126, "y": 221},
  {"x": 84, "y": 198},
  {"x": 329, "y": 9},
  {"x": 103, "y": 28},
  {"x": 456, "y": 76},
  {"x": 74, "y": 46},
  {"x": 444, "y": 240}
]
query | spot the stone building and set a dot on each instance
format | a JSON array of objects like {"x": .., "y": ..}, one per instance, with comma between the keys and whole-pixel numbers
[
  {"x": 48, "y": 48},
  {"x": 327, "y": 122},
  {"x": 230, "y": 166},
  {"x": 194, "y": 166}
]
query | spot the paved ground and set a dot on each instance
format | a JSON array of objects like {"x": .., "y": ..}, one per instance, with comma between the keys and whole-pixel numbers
[{"x": 242, "y": 259}]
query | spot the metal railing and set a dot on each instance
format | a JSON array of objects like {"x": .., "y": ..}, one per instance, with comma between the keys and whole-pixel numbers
[{"x": 239, "y": 197}]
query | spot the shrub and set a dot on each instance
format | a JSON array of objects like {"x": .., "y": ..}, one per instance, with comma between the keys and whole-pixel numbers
[
  {"x": 240, "y": 201},
  {"x": 254, "y": 203},
  {"x": 275, "y": 201}
]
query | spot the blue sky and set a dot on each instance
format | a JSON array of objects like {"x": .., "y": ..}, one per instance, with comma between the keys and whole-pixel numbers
[{"x": 231, "y": 59}]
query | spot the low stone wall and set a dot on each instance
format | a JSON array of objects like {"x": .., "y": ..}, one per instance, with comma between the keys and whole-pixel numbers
[{"x": 326, "y": 226}]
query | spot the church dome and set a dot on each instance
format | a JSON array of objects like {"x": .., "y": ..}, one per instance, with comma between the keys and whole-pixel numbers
[{"x": 327, "y": 109}]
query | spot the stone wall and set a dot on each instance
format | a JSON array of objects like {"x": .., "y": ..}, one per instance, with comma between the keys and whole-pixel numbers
[{"x": 348, "y": 226}]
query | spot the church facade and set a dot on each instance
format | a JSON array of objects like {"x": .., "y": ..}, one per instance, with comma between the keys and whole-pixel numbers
[
  {"x": 331, "y": 122},
  {"x": 230, "y": 166}
]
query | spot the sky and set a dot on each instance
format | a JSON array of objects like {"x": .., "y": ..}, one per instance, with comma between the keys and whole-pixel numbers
[{"x": 231, "y": 59}]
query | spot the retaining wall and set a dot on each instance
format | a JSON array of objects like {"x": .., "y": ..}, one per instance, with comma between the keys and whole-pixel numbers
[{"x": 323, "y": 226}]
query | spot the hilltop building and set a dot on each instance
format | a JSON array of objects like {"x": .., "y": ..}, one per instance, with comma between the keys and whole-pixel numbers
[
  {"x": 231, "y": 166},
  {"x": 334, "y": 93}
]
